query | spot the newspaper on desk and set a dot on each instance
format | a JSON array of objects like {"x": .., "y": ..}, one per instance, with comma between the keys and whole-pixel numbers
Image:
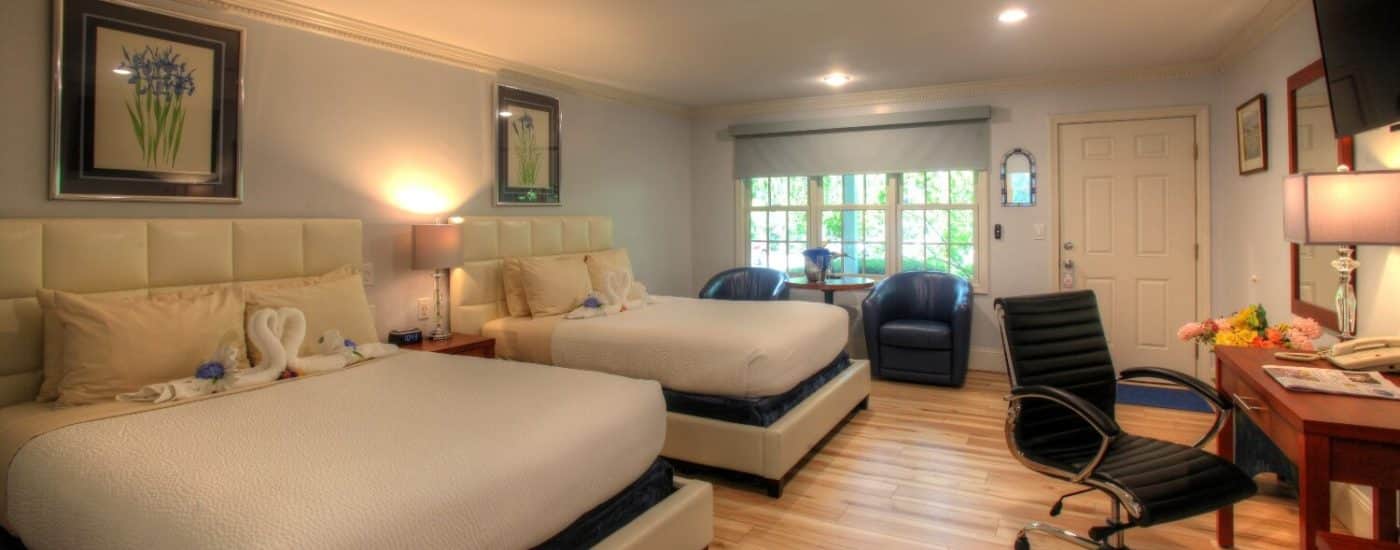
[{"x": 1364, "y": 384}]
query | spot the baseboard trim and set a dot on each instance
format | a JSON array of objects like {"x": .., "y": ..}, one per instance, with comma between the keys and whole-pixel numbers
[
  {"x": 1351, "y": 505},
  {"x": 986, "y": 359}
]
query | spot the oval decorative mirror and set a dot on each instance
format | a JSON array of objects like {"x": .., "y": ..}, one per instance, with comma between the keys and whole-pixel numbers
[{"x": 1018, "y": 178}]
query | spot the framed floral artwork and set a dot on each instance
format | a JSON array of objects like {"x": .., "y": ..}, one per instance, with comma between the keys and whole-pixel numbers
[
  {"x": 146, "y": 105},
  {"x": 1252, "y": 135},
  {"x": 527, "y": 144}
]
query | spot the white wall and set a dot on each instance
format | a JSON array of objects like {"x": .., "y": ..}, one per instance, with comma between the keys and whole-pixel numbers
[
  {"x": 1248, "y": 217},
  {"x": 337, "y": 129},
  {"x": 1019, "y": 264}
]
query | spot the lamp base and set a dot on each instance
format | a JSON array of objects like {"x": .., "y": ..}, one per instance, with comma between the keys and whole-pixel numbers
[
  {"x": 1346, "y": 264},
  {"x": 439, "y": 333}
]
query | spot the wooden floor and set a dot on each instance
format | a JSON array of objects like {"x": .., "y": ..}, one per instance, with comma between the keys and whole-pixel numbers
[{"x": 928, "y": 467}]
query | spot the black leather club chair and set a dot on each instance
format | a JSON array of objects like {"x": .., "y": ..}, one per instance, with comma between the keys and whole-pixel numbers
[
  {"x": 1061, "y": 423},
  {"x": 747, "y": 283},
  {"x": 918, "y": 326}
]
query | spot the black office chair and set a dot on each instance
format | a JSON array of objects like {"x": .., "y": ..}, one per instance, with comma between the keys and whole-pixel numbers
[
  {"x": 746, "y": 283},
  {"x": 1060, "y": 423}
]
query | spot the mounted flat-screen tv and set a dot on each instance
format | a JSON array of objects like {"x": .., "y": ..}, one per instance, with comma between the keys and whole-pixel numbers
[{"x": 1361, "y": 51}]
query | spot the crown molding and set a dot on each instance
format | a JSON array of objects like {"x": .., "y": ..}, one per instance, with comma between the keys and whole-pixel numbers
[
  {"x": 959, "y": 90},
  {"x": 1264, "y": 23},
  {"x": 291, "y": 14}
]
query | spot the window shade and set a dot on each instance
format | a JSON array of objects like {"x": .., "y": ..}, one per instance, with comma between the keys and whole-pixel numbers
[{"x": 949, "y": 145}]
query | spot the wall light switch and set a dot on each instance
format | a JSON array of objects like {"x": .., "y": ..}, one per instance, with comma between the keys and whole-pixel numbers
[
  {"x": 425, "y": 309},
  {"x": 1040, "y": 232},
  {"x": 367, "y": 273}
]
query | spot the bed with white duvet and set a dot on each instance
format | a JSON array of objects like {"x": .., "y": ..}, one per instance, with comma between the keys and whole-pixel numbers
[
  {"x": 415, "y": 450},
  {"x": 711, "y": 347}
]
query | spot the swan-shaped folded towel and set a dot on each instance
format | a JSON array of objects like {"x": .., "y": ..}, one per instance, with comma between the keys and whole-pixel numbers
[
  {"x": 265, "y": 331},
  {"x": 278, "y": 335}
]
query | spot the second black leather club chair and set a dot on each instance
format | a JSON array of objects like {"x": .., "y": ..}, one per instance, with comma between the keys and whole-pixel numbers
[
  {"x": 746, "y": 283},
  {"x": 1060, "y": 423},
  {"x": 918, "y": 326}
]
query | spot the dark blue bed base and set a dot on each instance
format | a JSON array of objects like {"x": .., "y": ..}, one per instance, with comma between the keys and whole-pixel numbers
[
  {"x": 754, "y": 411},
  {"x": 592, "y": 527}
]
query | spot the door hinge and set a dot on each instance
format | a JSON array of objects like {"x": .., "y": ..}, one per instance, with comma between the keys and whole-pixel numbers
[
  {"x": 1196, "y": 151},
  {"x": 1197, "y": 253}
]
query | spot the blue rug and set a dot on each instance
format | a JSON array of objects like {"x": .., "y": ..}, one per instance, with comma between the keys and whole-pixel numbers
[{"x": 1162, "y": 398}]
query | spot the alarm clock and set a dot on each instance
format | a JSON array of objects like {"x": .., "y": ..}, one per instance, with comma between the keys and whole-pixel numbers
[{"x": 405, "y": 336}]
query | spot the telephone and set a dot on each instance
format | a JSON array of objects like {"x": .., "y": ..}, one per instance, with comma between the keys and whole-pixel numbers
[{"x": 1378, "y": 354}]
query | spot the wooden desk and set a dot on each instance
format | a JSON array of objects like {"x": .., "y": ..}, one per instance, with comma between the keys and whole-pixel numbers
[{"x": 1329, "y": 437}]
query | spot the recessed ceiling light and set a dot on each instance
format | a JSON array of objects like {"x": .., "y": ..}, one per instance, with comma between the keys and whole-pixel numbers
[
  {"x": 1012, "y": 15},
  {"x": 836, "y": 80}
]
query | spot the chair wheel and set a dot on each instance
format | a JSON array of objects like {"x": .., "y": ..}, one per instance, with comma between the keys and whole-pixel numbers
[{"x": 1022, "y": 543}]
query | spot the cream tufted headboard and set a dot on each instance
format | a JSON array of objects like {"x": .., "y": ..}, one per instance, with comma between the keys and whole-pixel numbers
[
  {"x": 477, "y": 292},
  {"x": 100, "y": 255}
]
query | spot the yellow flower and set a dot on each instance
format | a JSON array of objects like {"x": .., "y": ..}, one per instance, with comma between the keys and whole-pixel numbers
[{"x": 1235, "y": 337}]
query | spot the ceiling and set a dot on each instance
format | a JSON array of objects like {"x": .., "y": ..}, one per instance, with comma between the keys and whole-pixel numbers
[{"x": 700, "y": 53}]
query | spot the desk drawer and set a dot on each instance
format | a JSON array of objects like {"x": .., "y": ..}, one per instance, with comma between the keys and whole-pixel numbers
[{"x": 1255, "y": 404}]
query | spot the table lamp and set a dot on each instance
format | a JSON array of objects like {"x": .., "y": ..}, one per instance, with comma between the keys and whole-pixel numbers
[
  {"x": 437, "y": 247},
  {"x": 1343, "y": 208}
]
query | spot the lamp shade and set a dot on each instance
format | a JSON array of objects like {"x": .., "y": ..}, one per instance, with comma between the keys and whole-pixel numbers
[
  {"x": 1342, "y": 207},
  {"x": 437, "y": 246}
]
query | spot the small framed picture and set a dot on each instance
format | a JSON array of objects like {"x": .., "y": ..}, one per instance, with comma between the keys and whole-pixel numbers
[
  {"x": 146, "y": 105},
  {"x": 527, "y": 143},
  {"x": 1252, "y": 131}
]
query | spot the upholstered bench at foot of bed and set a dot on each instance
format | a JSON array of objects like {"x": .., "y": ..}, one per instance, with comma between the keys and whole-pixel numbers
[
  {"x": 768, "y": 452},
  {"x": 684, "y": 520}
]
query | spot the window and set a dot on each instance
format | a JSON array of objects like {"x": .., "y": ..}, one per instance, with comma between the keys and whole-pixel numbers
[
  {"x": 778, "y": 223},
  {"x": 881, "y": 223}
]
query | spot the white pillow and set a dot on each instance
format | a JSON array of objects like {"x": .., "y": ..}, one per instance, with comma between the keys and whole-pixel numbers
[
  {"x": 603, "y": 262},
  {"x": 516, "y": 305},
  {"x": 554, "y": 285}
]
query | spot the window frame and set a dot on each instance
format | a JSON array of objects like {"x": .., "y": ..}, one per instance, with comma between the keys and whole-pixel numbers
[{"x": 893, "y": 208}]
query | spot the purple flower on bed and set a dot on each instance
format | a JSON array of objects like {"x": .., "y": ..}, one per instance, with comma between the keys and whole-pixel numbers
[
  {"x": 210, "y": 371},
  {"x": 592, "y": 302},
  {"x": 349, "y": 343}
]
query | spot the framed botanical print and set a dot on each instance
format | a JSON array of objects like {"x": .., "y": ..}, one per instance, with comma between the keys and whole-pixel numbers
[
  {"x": 146, "y": 105},
  {"x": 1252, "y": 133},
  {"x": 527, "y": 144}
]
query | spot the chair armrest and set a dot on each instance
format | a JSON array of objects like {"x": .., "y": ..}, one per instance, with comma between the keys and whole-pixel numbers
[
  {"x": 1096, "y": 418},
  {"x": 1190, "y": 382},
  {"x": 1222, "y": 405}
]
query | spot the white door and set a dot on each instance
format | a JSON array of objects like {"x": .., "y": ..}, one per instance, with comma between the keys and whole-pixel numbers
[{"x": 1128, "y": 232}]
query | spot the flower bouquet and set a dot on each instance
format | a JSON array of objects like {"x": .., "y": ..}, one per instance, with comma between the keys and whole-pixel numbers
[{"x": 1250, "y": 328}]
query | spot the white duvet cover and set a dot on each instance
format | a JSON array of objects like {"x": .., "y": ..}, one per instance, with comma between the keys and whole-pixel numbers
[
  {"x": 712, "y": 347},
  {"x": 416, "y": 451}
]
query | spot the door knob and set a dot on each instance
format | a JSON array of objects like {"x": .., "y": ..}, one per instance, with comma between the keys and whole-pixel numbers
[
  {"x": 1069, "y": 264},
  {"x": 1069, "y": 245}
]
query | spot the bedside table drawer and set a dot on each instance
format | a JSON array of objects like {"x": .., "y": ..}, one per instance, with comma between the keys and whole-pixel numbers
[{"x": 485, "y": 351}]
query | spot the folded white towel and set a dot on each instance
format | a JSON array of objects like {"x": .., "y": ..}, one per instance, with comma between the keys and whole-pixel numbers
[
  {"x": 265, "y": 332},
  {"x": 183, "y": 388},
  {"x": 277, "y": 334}
]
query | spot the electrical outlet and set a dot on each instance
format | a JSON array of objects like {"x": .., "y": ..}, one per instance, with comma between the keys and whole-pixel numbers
[
  {"x": 425, "y": 309},
  {"x": 367, "y": 273}
]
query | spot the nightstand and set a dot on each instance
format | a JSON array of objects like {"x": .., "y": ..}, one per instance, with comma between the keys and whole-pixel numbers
[{"x": 458, "y": 344}]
